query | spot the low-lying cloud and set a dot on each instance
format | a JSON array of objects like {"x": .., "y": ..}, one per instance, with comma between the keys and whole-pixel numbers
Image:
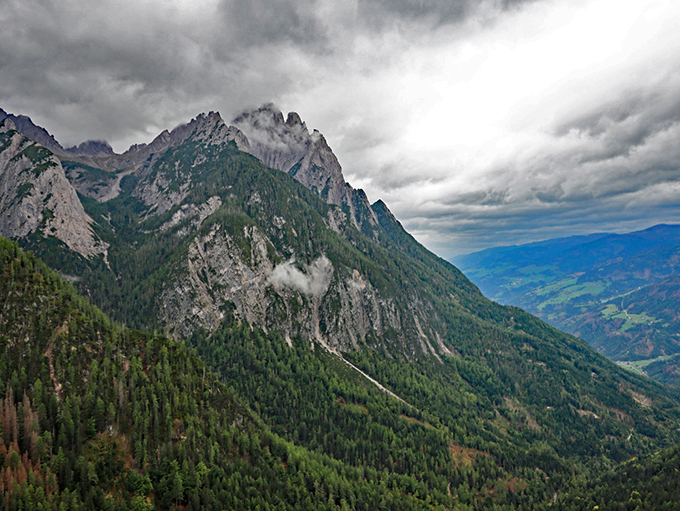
[{"x": 313, "y": 281}]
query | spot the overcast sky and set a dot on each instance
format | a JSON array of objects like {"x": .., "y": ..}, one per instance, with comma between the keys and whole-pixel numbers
[{"x": 478, "y": 123}]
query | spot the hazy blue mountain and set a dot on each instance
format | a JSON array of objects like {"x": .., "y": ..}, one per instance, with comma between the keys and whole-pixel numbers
[{"x": 619, "y": 292}]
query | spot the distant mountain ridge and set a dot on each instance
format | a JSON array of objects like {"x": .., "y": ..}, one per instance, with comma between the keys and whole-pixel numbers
[{"x": 617, "y": 291}]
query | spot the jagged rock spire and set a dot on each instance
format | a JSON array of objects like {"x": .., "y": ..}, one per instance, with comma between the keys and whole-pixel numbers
[{"x": 289, "y": 146}]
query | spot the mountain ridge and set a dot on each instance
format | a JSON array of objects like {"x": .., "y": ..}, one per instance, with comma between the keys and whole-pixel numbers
[
  {"x": 37, "y": 198},
  {"x": 276, "y": 288},
  {"x": 288, "y": 146},
  {"x": 159, "y": 187}
]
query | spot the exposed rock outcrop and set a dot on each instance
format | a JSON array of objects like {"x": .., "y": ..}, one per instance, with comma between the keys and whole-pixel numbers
[
  {"x": 289, "y": 146},
  {"x": 335, "y": 306},
  {"x": 36, "y": 196},
  {"x": 196, "y": 212}
]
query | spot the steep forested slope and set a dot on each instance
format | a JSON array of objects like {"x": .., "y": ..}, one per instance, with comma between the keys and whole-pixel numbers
[
  {"x": 94, "y": 416},
  {"x": 510, "y": 421},
  {"x": 399, "y": 383},
  {"x": 649, "y": 483},
  {"x": 110, "y": 418}
]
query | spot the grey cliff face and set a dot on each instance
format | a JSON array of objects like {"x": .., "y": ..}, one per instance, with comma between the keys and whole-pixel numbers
[
  {"x": 289, "y": 146},
  {"x": 36, "y": 196},
  {"x": 335, "y": 306}
]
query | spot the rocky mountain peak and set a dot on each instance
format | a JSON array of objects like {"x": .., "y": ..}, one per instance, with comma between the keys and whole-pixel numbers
[
  {"x": 24, "y": 125},
  {"x": 6, "y": 124},
  {"x": 290, "y": 147},
  {"x": 205, "y": 129},
  {"x": 134, "y": 148},
  {"x": 278, "y": 144},
  {"x": 208, "y": 128},
  {"x": 92, "y": 148},
  {"x": 38, "y": 198},
  {"x": 263, "y": 118},
  {"x": 293, "y": 119}
]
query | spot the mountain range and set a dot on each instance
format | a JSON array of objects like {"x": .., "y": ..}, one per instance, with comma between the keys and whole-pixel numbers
[
  {"x": 619, "y": 292},
  {"x": 349, "y": 359}
]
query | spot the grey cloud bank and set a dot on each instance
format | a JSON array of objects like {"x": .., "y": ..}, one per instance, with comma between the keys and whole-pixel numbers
[{"x": 478, "y": 123}]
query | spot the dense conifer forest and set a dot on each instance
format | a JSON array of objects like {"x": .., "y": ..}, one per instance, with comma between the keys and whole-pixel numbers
[{"x": 96, "y": 416}]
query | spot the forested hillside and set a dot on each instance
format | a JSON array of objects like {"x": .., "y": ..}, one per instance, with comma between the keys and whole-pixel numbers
[
  {"x": 649, "y": 483},
  {"x": 95, "y": 416},
  {"x": 482, "y": 426}
]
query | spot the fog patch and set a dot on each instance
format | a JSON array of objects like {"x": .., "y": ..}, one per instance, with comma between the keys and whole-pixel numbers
[{"x": 313, "y": 280}]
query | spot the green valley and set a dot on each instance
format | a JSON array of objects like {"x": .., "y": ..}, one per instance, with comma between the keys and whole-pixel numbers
[{"x": 618, "y": 292}]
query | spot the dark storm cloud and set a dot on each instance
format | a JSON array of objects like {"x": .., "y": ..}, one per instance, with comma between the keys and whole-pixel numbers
[
  {"x": 261, "y": 22},
  {"x": 110, "y": 67},
  {"x": 103, "y": 69},
  {"x": 381, "y": 12},
  {"x": 457, "y": 233},
  {"x": 433, "y": 12},
  {"x": 107, "y": 69},
  {"x": 625, "y": 123},
  {"x": 614, "y": 169},
  {"x": 124, "y": 70}
]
